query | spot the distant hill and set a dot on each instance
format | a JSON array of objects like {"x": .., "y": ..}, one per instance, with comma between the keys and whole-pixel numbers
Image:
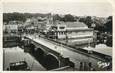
[
  {"x": 21, "y": 16},
  {"x": 101, "y": 23}
]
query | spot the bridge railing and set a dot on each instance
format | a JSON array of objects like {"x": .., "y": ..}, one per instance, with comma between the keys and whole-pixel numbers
[
  {"x": 80, "y": 50},
  {"x": 63, "y": 68}
]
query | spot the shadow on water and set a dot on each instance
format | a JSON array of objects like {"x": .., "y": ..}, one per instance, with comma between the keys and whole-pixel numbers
[{"x": 47, "y": 61}]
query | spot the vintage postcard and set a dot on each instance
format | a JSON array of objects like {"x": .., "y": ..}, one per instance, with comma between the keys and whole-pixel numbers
[{"x": 62, "y": 35}]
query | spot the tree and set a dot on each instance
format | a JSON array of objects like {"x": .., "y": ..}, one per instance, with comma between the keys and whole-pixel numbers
[
  {"x": 87, "y": 20},
  {"x": 108, "y": 25},
  {"x": 68, "y": 17},
  {"x": 56, "y": 17},
  {"x": 13, "y": 16}
]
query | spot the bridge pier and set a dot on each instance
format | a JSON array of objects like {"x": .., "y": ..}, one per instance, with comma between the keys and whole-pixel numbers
[
  {"x": 46, "y": 57},
  {"x": 66, "y": 62},
  {"x": 39, "y": 53},
  {"x": 51, "y": 62}
]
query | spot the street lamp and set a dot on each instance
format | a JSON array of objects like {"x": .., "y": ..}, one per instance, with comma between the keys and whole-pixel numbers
[
  {"x": 89, "y": 63},
  {"x": 66, "y": 37}
]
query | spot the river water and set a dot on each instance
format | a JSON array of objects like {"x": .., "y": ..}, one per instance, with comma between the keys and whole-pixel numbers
[{"x": 16, "y": 54}]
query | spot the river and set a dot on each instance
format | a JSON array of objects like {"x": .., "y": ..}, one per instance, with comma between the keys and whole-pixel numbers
[{"x": 16, "y": 54}]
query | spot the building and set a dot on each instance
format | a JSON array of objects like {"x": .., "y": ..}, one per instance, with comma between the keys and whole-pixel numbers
[
  {"x": 54, "y": 30},
  {"x": 37, "y": 23},
  {"x": 73, "y": 33},
  {"x": 12, "y": 26}
]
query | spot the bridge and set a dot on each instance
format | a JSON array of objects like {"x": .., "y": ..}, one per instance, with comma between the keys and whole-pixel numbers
[{"x": 54, "y": 55}]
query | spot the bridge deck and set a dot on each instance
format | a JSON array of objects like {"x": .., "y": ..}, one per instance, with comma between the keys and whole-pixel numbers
[
  {"x": 101, "y": 48},
  {"x": 53, "y": 46},
  {"x": 64, "y": 51}
]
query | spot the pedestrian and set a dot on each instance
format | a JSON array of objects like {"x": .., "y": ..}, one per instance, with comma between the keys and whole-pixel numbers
[
  {"x": 90, "y": 67},
  {"x": 81, "y": 66},
  {"x": 8, "y": 68},
  {"x": 89, "y": 64},
  {"x": 85, "y": 66},
  {"x": 93, "y": 69},
  {"x": 55, "y": 47}
]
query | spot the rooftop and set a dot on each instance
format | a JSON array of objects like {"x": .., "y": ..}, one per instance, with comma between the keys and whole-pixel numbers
[
  {"x": 71, "y": 24},
  {"x": 75, "y": 24}
]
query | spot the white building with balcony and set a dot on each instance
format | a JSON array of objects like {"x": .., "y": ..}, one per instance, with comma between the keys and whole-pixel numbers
[{"x": 72, "y": 33}]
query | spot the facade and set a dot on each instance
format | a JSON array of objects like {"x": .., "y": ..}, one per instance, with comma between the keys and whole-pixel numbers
[
  {"x": 39, "y": 24},
  {"x": 12, "y": 26},
  {"x": 57, "y": 30},
  {"x": 72, "y": 33}
]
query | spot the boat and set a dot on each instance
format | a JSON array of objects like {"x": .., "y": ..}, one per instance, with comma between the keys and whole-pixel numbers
[{"x": 19, "y": 66}]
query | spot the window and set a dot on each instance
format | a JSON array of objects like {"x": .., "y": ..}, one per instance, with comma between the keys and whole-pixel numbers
[
  {"x": 62, "y": 33},
  {"x": 59, "y": 33},
  {"x": 61, "y": 27},
  {"x": 54, "y": 27}
]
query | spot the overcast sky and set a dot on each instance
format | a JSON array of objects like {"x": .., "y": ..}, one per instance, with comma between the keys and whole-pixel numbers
[{"x": 74, "y": 8}]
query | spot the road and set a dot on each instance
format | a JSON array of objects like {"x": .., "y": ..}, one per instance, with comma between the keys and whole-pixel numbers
[{"x": 75, "y": 57}]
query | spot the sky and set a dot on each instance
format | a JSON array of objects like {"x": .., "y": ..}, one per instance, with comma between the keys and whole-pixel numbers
[{"x": 102, "y": 9}]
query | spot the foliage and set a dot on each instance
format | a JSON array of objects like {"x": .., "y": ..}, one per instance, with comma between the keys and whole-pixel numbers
[
  {"x": 66, "y": 18},
  {"x": 69, "y": 18},
  {"x": 20, "y": 16},
  {"x": 13, "y": 16},
  {"x": 101, "y": 25},
  {"x": 108, "y": 24},
  {"x": 87, "y": 20},
  {"x": 57, "y": 17}
]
